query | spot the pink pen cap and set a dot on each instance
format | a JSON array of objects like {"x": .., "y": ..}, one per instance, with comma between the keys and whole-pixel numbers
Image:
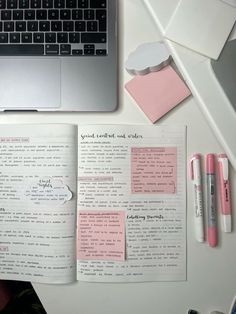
[{"x": 210, "y": 164}]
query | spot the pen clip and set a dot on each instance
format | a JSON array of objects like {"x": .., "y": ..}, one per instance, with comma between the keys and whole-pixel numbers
[
  {"x": 191, "y": 172},
  {"x": 224, "y": 166},
  {"x": 191, "y": 168}
]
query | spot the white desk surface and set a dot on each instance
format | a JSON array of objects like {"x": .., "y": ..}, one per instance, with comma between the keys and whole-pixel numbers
[{"x": 211, "y": 273}]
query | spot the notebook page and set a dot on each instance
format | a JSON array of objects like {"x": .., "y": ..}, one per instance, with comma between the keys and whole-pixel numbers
[
  {"x": 139, "y": 170},
  {"x": 38, "y": 166}
]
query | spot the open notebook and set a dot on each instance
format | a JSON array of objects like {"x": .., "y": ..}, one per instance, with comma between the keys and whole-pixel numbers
[
  {"x": 124, "y": 188},
  {"x": 197, "y": 71}
]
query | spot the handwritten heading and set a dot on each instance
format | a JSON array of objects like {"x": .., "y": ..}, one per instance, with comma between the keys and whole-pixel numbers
[{"x": 110, "y": 135}]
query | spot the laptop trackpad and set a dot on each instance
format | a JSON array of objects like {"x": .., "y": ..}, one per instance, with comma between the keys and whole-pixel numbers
[{"x": 30, "y": 83}]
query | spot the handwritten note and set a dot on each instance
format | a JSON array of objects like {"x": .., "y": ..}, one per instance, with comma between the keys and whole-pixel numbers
[
  {"x": 48, "y": 191},
  {"x": 153, "y": 170},
  {"x": 101, "y": 235}
]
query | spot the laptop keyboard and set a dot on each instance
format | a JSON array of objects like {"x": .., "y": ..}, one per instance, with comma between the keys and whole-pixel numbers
[{"x": 53, "y": 27}]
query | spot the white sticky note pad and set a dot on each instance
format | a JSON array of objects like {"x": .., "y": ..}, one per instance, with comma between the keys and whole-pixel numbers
[
  {"x": 147, "y": 58},
  {"x": 202, "y": 25}
]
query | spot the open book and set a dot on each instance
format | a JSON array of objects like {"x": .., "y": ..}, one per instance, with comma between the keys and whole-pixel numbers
[{"x": 95, "y": 203}]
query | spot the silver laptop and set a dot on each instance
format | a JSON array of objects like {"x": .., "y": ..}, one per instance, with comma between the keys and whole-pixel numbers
[{"x": 58, "y": 55}]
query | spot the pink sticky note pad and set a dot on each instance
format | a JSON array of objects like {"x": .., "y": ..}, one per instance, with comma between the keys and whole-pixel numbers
[
  {"x": 101, "y": 235},
  {"x": 158, "y": 92},
  {"x": 153, "y": 170}
]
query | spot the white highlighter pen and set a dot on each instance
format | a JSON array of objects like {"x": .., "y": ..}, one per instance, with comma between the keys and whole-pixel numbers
[{"x": 195, "y": 172}]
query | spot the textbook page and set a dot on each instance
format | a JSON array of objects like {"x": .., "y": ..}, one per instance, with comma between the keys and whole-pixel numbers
[
  {"x": 138, "y": 170},
  {"x": 38, "y": 170}
]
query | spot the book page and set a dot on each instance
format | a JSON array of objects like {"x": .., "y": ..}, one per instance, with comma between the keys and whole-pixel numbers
[
  {"x": 38, "y": 170},
  {"x": 139, "y": 170}
]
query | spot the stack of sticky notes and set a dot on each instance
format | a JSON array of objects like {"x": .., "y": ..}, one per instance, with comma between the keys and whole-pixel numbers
[{"x": 156, "y": 86}]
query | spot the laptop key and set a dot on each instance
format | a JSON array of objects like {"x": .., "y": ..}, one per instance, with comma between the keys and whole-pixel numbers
[
  {"x": 35, "y": 4},
  {"x": 68, "y": 26},
  {"x": 53, "y": 14},
  {"x": 47, "y": 4},
  {"x": 56, "y": 26},
  {"x": 50, "y": 37},
  {"x": 32, "y": 26},
  {"x": 74, "y": 38},
  {"x": 92, "y": 26},
  {"x": 59, "y": 4},
  {"x": 89, "y": 50},
  {"x": 101, "y": 16},
  {"x": 0, "y": 26},
  {"x": 20, "y": 26},
  {"x": 41, "y": 14},
  {"x": 29, "y": 14},
  {"x": 89, "y": 46},
  {"x": 24, "y": 4},
  {"x": 62, "y": 38},
  {"x": 21, "y": 50},
  {"x": 71, "y": 4},
  {"x": 8, "y": 26},
  {"x": 93, "y": 38},
  {"x": 79, "y": 26},
  {"x": 101, "y": 52},
  {"x": 65, "y": 49},
  {"x": 77, "y": 52},
  {"x": 44, "y": 26},
  {"x": 83, "y": 4},
  {"x": 11, "y": 4},
  {"x": 98, "y": 3},
  {"x": 2, "y": 4},
  {"x": 38, "y": 37},
  {"x": 26, "y": 37},
  {"x": 52, "y": 49},
  {"x": 5, "y": 15},
  {"x": 14, "y": 37},
  {"x": 3, "y": 38},
  {"x": 65, "y": 15},
  {"x": 89, "y": 14},
  {"x": 77, "y": 14},
  {"x": 17, "y": 14}
]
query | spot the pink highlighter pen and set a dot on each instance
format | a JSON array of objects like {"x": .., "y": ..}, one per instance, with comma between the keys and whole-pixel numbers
[{"x": 211, "y": 200}]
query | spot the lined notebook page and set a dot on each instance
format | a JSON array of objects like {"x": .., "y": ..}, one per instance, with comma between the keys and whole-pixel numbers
[
  {"x": 139, "y": 170},
  {"x": 38, "y": 167}
]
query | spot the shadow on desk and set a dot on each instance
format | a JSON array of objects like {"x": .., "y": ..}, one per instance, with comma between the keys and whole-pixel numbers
[{"x": 19, "y": 298}]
